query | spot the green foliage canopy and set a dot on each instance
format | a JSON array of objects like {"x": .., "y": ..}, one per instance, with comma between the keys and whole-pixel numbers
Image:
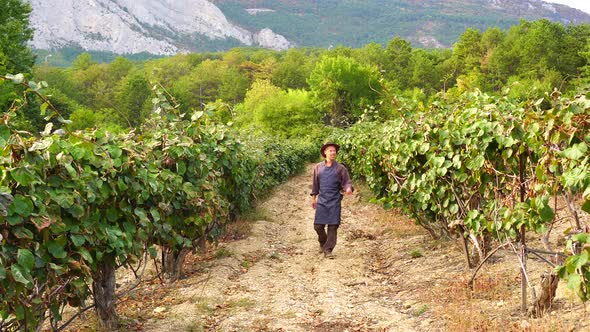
[
  {"x": 341, "y": 88},
  {"x": 15, "y": 56},
  {"x": 271, "y": 110}
]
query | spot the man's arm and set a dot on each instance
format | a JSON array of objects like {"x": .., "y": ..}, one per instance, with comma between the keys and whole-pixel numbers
[{"x": 346, "y": 181}]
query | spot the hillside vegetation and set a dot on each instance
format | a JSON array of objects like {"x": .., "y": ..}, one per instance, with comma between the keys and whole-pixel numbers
[
  {"x": 110, "y": 165},
  {"x": 429, "y": 24}
]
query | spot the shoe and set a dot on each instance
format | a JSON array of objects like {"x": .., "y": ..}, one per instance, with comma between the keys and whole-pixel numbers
[{"x": 328, "y": 255}]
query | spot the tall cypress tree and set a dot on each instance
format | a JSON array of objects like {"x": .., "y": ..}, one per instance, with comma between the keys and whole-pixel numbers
[
  {"x": 16, "y": 57},
  {"x": 15, "y": 33}
]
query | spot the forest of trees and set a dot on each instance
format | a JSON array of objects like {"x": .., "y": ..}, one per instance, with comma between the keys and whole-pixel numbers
[
  {"x": 284, "y": 93},
  {"x": 319, "y": 23}
]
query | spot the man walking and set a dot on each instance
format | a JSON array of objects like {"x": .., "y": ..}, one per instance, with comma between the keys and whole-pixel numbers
[{"x": 330, "y": 179}]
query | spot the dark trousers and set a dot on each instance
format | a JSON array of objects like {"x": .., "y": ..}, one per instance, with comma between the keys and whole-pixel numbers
[{"x": 327, "y": 241}]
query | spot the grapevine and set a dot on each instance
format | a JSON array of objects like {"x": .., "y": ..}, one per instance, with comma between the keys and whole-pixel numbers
[
  {"x": 481, "y": 167},
  {"x": 76, "y": 206}
]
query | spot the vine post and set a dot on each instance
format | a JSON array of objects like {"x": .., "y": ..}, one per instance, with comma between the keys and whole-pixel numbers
[
  {"x": 103, "y": 286},
  {"x": 523, "y": 253}
]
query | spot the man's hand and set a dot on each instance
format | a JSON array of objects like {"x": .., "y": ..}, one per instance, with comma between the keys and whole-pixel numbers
[
  {"x": 349, "y": 191},
  {"x": 313, "y": 202}
]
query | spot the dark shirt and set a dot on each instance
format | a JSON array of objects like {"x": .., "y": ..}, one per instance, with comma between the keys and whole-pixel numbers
[{"x": 341, "y": 172}]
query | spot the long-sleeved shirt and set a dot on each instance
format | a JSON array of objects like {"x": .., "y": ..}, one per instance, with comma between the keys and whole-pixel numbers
[{"x": 341, "y": 172}]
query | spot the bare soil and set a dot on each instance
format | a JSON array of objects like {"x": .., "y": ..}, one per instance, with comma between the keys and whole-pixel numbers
[{"x": 387, "y": 275}]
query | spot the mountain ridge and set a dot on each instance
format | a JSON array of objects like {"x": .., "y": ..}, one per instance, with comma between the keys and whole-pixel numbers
[
  {"x": 128, "y": 26},
  {"x": 166, "y": 27}
]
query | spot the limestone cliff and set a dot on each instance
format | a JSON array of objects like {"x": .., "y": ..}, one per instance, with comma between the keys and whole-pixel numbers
[{"x": 134, "y": 26}]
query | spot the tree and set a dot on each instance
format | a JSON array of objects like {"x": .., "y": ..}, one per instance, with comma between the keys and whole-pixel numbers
[
  {"x": 233, "y": 86},
  {"x": 586, "y": 55},
  {"x": 341, "y": 88},
  {"x": 82, "y": 62},
  {"x": 467, "y": 53},
  {"x": 258, "y": 71},
  {"x": 133, "y": 99},
  {"x": 505, "y": 59},
  {"x": 540, "y": 47},
  {"x": 293, "y": 71},
  {"x": 425, "y": 73},
  {"x": 263, "y": 54},
  {"x": 234, "y": 57},
  {"x": 257, "y": 101},
  {"x": 3, "y": 61},
  {"x": 166, "y": 71},
  {"x": 119, "y": 68},
  {"x": 16, "y": 57},
  {"x": 372, "y": 53},
  {"x": 540, "y": 51},
  {"x": 572, "y": 59},
  {"x": 490, "y": 40},
  {"x": 271, "y": 110},
  {"x": 57, "y": 78},
  {"x": 201, "y": 85},
  {"x": 397, "y": 65},
  {"x": 94, "y": 87},
  {"x": 15, "y": 33},
  {"x": 340, "y": 50}
]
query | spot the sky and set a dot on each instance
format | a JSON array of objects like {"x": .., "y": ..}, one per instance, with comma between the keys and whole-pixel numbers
[{"x": 579, "y": 4}]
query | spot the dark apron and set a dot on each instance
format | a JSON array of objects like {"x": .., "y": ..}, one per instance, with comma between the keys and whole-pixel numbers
[{"x": 327, "y": 210}]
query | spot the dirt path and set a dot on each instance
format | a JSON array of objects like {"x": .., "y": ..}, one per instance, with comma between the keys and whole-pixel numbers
[
  {"x": 388, "y": 275},
  {"x": 276, "y": 280}
]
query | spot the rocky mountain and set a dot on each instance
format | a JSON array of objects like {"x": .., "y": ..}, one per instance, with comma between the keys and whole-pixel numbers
[
  {"x": 134, "y": 26},
  {"x": 175, "y": 26}
]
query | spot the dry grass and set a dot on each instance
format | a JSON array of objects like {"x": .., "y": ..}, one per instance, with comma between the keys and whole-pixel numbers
[
  {"x": 494, "y": 303},
  {"x": 240, "y": 229},
  {"x": 494, "y": 288},
  {"x": 441, "y": 276},
  {"x": 396, "y": 225}
]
